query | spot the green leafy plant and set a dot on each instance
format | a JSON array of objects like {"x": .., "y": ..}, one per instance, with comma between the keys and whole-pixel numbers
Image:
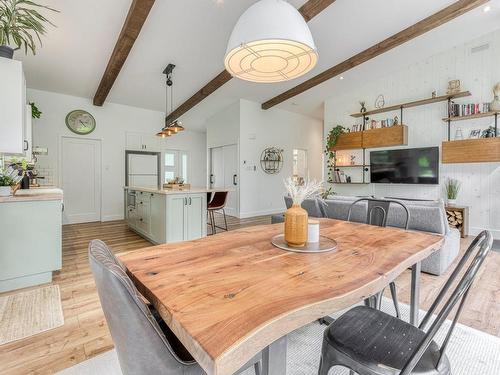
[
  {"x": 331, "y": 141},
  {"x": 21, "y": 24},
  {"x": 35, "y": 112},
  {"x": 6, "y": 180},
  {"x": 452, "y": 188}
]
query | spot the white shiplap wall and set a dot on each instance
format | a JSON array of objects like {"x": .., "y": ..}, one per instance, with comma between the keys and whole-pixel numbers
[{"x": 478, "y": 71}]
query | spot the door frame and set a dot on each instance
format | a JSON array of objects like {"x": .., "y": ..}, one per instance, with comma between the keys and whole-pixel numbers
[
  {"x": 236, "y": 211},
  {"x": 99, "y": 166}
]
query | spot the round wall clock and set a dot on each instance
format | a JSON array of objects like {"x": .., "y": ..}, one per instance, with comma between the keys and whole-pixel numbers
[{"x": 80, "y": 122}]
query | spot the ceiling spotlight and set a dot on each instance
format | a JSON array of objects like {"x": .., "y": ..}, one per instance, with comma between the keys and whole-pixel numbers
[
  {"x": 341, "y": 77},
  {"x": 486, "y": 9}
]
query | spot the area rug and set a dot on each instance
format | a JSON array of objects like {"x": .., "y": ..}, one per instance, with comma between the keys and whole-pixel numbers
[
  {"x": 471, "y": 352},
  {"x": 28, "y": 313}
]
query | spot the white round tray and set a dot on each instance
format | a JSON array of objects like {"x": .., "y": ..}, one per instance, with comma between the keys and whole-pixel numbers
[{"x": 325, "y": 244}]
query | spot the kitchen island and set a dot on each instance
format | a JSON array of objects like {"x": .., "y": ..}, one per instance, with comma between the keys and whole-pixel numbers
[
  {"x": 30, "y": 228},
  {"x": 165, "y": 215}
]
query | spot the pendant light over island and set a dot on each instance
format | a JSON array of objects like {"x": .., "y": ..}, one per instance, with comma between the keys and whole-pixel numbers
[{"x": 175, "y": 126}]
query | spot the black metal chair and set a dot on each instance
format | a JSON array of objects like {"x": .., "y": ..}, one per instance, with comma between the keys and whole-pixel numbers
[
  {"x": 217, "y": 203},
  {"x": 371, "y": 342},
  {"x": 377, "y": 214}
]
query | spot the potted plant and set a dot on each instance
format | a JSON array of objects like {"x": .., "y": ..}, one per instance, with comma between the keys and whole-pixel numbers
[
  {"x": 20, "y": 26},
  {"x": 296, "y": 217},
  {"x": 6, "y": 182},
  {"x": 452, "y": 187},
  {"x": 331, "y": 141}
]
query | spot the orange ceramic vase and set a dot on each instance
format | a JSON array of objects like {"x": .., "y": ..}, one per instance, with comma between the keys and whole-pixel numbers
[{"x": 296, "y": 226}]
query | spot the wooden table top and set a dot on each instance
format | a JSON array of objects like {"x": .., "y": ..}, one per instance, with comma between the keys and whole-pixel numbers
[{"x": 229, "y": 296}]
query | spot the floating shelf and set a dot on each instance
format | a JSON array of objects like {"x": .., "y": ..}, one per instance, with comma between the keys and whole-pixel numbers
[
  {"x": 348, "y": 183},
  {"x": 384, "y": 137},
  {"x": 352, "y": 166},
  {"x": 416, "y": 103},
  {"x": 470, "y": 117},
  {"x": 471, "y": 151}
]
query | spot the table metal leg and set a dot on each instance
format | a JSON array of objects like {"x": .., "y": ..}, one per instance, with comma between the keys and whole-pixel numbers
[
  {"x": 274, "y": 358},
  {"x": 415, "y": 293}
]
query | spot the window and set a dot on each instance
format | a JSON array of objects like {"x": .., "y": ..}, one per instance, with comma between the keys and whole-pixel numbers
[
  {"x": 176, "y": 165},
  {"x": 300, "y": 172}
]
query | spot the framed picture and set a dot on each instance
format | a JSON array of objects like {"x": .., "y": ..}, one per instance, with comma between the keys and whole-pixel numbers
[{"x": 475, "y": 133}]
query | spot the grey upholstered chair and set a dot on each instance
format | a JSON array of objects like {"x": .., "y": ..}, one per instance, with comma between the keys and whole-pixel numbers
[
  {"x": 371, "y": 342},
  {"x": 377, "y": 211},
  {"x": 144, "y": 344}
]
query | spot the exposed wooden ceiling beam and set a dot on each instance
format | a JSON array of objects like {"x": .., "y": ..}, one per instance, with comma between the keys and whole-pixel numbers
[
  {"x": 437, "y": 19},
  {"x": 309, "y": 10},
  {"x": 137, "y": 14}
]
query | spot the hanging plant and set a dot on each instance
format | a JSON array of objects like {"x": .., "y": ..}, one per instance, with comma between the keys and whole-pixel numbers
[
  {"x": 331, "y": 141},
  {"x": 35, "y": 112}
]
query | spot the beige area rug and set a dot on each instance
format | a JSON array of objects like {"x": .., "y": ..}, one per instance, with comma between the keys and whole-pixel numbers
[{"x": 28, "y": 313}]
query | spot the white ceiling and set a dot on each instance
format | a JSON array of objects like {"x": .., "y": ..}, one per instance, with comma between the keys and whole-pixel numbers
[{"x": 193, "y": 34}]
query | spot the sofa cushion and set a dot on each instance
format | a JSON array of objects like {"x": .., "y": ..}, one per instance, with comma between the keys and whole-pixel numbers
[{"x": 312, "y": 206}]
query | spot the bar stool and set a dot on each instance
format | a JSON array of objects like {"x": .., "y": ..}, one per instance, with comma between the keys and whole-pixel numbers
[{"x": 217, "y": 203}]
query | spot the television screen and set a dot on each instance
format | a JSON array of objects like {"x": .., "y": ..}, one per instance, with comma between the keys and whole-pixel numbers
[{"x": 405, "y": 166}]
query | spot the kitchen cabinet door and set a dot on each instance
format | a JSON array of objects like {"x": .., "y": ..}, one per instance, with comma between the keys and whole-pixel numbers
[
  {"x": 151, "y": 142},
  {"x": 133, "y": 141},
  {"x": 176, "y": 217},
  {"x": 12, "y": 106},
  {"x": 28, "y": 131},
  {"x": 196, "y": 207}
]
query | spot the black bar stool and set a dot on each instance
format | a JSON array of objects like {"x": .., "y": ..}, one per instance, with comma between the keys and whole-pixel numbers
[{"x": 217, "y": 203}]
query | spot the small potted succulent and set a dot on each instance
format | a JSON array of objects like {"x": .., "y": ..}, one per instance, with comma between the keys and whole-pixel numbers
[
  {"x": 452, "y": 188},
  {"x": 296, "y": 217},
  {"x": 20, "y": 26},
  {"x": 6, "y": 182}
]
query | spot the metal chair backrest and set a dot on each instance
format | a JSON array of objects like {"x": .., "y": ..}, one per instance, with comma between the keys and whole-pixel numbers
[
  {"x": 378, "y": 210},
  {"x": 219, "y": 200},
  {"x": 481, "y": 245}
]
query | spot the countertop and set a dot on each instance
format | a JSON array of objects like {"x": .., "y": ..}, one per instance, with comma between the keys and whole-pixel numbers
[
  {"x": 194, "y": 190},
  {"x": 37, "y": 194}
]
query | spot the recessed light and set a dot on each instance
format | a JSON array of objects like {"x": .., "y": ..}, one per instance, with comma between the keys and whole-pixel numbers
[
  {"x": 341, "y": 77},
  {"x": 294, "y": 104},
  {"x": 486, "y": 9}
]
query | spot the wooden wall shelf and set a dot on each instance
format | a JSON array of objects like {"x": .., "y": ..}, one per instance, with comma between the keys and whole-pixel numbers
[
  {"x": 373, "y": 138},
  {"x": 471, "y": 151},
  {"x": 413, "y": 104},
  {"x": 385, "y": 137},
  {"x": 470, "y": 117}
]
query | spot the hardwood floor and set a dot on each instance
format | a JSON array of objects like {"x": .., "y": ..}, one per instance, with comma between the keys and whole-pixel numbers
[{"x": 85, "y": 333}]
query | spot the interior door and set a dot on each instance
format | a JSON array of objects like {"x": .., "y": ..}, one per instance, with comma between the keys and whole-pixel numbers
[
  {"x": 81, "y": 179},
  {"x": 217, "y": 168},
  {"x": 231, "y": 178}
]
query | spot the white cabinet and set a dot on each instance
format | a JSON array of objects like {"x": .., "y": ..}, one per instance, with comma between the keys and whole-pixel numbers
[
  {"x": 186, "y": 217},
  {"x": 12, "y": 106},
  {"x": 165, "y": 218},
  {"x": 28, "y": 134},
  {"x": 142, "y": 142}
]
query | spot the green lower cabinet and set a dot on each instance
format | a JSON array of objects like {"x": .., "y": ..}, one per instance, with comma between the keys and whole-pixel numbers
[{"x": 31, "y": 245}]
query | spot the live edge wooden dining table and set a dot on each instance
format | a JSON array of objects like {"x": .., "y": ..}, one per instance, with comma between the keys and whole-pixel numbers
[{"x": 229, "y": 296}]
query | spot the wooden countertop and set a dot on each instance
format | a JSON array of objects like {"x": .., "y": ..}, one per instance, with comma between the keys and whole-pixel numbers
[
  {"x": 31, "y": 195},
  {"x": 194, "y": 190},
  {"x": 228, "y": 296}
]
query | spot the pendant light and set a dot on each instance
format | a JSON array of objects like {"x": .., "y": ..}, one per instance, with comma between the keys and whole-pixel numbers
[
  {"x": 175, "y": 126},
  {"x": 271, "y": 42}
]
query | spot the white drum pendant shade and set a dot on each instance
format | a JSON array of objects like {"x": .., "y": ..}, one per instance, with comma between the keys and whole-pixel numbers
[{"x": 271, "y": 42}]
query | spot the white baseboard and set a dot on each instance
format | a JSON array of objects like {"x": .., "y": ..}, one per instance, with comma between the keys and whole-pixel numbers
[
  {"x": 111, "y": 217},
  {"x": 474, "y": 231},
  {"x": 245, "y": 215}
]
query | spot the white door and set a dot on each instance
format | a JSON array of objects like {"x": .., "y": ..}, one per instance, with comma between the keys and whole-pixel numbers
[
  {"x": 217, "y": 168},
  {"x": 231, "y": 178},
  {"x": 81, "y": 179}
]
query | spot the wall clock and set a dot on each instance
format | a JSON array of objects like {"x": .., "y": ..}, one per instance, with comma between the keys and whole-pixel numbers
[{"x": 80, "y": 122}]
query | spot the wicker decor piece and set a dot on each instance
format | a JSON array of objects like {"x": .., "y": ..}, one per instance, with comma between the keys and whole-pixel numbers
[{"x": 296, "y": 225}]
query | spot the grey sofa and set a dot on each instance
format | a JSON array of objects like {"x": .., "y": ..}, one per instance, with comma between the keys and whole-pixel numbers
[{"x": 425, "y": 216}]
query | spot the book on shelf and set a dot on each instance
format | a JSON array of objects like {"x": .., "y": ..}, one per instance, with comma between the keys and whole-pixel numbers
[{"x": 460, "y": 110}]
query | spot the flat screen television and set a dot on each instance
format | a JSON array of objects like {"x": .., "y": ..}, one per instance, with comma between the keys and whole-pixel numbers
[{"x": 405, "y": 166}]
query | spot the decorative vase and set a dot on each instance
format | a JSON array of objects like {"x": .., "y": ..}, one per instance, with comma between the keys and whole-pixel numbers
[
  {"x": 296, "y": 226},
  {"x": 495, "y": 104},
  {"x": 4, "y": 191},
  {"x": 452, "y": 202},
  {"x": 7, "y": 52}
]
